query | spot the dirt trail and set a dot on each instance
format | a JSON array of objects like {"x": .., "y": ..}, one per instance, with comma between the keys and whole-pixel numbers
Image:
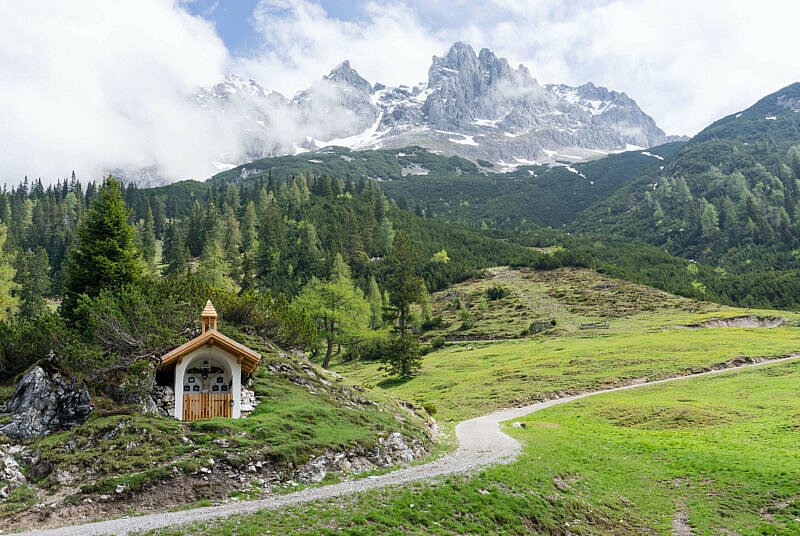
[{"x": 481, "y": 442}]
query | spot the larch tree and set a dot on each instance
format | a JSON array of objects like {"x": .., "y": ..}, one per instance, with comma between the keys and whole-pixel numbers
[
  {"x": 375, "y": 300},
  {"x": 336, "y": 306},
  {"x": 214, "y": 268},
  {"x": 8, "y": 287}
]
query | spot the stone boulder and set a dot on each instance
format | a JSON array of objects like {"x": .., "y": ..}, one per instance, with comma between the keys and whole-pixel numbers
[{"x": 46, "y": 402}]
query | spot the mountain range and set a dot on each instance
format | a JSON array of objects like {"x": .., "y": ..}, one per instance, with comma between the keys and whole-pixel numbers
[{"x": 473, "y": 105}]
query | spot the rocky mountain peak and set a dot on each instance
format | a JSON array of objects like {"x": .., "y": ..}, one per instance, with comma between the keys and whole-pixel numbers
[
  {"x": 345, "y": 74},
  {"x": 463, "y": 63}
]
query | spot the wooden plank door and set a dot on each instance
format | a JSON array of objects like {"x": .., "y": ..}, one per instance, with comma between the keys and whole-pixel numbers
[{"x": 198, "y": 406}]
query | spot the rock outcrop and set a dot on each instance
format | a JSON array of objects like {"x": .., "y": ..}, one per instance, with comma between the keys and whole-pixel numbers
[
  {"x": 46, "y": 402},
  {"x": 10, "y": 472},
  {"x": 163, "y": 398},
  {"x": 389, "y": 451}
]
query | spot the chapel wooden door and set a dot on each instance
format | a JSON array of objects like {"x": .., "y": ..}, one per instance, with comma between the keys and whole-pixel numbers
[{"x": 198, "y": 406}]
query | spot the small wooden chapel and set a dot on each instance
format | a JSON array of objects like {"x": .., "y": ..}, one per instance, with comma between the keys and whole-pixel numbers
[{"x": 208, "y": 372}]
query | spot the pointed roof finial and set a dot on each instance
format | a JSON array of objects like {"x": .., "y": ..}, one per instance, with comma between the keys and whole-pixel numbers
[
  {"x": 208, "y": 318},
  {"x": 209, "y": 311}
]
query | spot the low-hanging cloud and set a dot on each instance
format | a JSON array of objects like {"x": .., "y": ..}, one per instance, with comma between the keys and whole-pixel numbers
[
  {"x": 97, "y": 85},
  {"x": 112, "y": 86},
  {"x": 387, "y": 43}
]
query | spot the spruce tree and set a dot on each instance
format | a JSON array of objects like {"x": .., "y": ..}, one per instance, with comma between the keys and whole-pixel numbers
[
  {"x": 402, "y": 282},
  {"x": 33, "y": 276},
  {"x": 105, "y": 255},
  {"x": 176, "y": 253},
  {"x": 147, "y": 238}
]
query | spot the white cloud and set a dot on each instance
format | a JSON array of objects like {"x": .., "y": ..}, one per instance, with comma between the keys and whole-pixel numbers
[
  {"x": 686, "y": 63},
  {"x": 388, "y": 44},
  {"x": 95, "y": 85}
]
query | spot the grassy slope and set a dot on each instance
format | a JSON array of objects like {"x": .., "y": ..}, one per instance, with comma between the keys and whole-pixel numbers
[
  {"x": 714, "y": 451},
  {"x": 644, "y": 341}
]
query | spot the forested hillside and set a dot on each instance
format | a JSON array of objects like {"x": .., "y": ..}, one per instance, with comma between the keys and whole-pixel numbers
[
  {"x": 730, "y": 196},
  {"x": 729, "y": 200},
  {"x": 475, "y": 195},
  {"x": 255, "y": 244}
]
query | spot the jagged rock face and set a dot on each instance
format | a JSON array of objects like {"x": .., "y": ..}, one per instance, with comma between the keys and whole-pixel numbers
[
  {"x": 466, "y": 87},
  {"x": 163, "y": 398},
  {"x": 473, "y": 105},
  {"x": 613, "y": 111},
  {"x": 44, "y": 403}
]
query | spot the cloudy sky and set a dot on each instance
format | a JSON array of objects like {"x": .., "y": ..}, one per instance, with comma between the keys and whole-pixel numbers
[{"x": 92, "y": 85}]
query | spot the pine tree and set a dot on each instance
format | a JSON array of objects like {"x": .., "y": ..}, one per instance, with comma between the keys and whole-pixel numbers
[
  {"x": 405, "y": 287},
  {"x": 105, "y": 255}
]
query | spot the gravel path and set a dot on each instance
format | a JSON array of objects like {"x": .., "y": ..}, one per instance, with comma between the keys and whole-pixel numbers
[{"x": 480, "y": 443}]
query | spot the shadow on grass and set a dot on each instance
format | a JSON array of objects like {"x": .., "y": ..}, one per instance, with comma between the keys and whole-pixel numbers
[{"x": 394, "y": 382}]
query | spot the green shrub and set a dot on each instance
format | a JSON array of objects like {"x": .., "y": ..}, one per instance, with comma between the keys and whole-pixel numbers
[
  {"x": 403, "y": 357},
  {"x": 432, "y": 323},
  {"x": 437, "y": 342},
  {"x": 24, "y": 342},
  {"x": 540, "y": 326},
  {"x": 497, "y": 292},
  {"x": 371, "y": 347},
  {"x": 467, "y": 322}
]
